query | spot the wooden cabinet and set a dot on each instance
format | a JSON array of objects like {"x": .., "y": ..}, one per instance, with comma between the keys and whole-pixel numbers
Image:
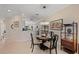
[
  {"x": 69, "y": 45},
  {"x": 69, "y": 37}
]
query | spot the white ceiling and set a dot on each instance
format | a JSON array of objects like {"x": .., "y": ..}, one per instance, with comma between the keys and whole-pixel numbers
[{"x": 31, "y": 11}]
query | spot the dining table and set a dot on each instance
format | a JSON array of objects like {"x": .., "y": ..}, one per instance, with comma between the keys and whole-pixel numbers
[{"x": 45, "y": 39}]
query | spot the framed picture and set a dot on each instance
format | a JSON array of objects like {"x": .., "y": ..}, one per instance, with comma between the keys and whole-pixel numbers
[
  {"x": 56, "y": 25},
  {"x": 15, "y": 25}
]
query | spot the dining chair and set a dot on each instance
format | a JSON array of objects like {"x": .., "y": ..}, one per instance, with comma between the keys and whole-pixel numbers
[
  {"x": 33, "y": 43},
  {"x": 54, "y": 38}
]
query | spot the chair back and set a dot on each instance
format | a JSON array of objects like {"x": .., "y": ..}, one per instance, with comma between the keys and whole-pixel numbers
[
  {"x": 32, "y": 41},
  {"x": 55, "y": 39},
  {"x": 51, "y": 33}
]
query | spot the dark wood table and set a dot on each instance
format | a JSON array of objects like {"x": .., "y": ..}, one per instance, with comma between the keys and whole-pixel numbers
[{"x": 44, "y": 39}]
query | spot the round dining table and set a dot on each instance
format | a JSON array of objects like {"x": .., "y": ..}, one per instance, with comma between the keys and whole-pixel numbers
[{"x": 45, "y": 39}]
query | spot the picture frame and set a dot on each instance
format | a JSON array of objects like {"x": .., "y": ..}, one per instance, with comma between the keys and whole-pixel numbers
[
  {"x": 15, "y": 25},
  {"x": 56, "y": 24}
]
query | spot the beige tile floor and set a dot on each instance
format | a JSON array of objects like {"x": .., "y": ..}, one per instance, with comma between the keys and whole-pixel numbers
[{"x": 23, "y": 47}]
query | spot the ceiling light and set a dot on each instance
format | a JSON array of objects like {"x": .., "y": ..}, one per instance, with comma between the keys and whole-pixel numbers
[{"x": 9, "y": 10}]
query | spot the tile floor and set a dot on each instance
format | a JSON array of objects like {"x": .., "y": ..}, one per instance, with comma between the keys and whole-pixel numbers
[{"x": 23, "y": 47}]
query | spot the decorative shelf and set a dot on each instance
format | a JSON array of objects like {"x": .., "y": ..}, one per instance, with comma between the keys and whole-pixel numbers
[{"x": 69, "y": 41}]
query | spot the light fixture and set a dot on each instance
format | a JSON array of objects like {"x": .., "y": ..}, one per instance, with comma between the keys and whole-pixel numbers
[{"x": 9, "y": 10}]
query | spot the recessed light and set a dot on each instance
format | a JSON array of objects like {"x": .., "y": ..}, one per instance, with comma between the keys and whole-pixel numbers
[{"x": 9, "y": 10}]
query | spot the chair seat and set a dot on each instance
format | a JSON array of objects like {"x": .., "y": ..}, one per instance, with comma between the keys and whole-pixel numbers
[{"x": 38, "y": 43}]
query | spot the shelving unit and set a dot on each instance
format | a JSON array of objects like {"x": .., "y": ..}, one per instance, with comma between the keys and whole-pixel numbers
[
  {"x": 44, "y": 29},
  {"x": 69, "y": 37}
]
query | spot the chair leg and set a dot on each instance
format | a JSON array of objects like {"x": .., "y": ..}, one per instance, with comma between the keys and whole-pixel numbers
[
  {"x": 32, "y": 48},
  {"x": 56, "y": 50}
]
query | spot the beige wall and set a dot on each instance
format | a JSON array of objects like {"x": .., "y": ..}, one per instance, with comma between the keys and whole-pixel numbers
[
  {"x": 17, "y": 34},
  {"x": 11, "y": 33},
  {"x": 68, "y": 14},
  {"x": 71, "y": 11}
]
